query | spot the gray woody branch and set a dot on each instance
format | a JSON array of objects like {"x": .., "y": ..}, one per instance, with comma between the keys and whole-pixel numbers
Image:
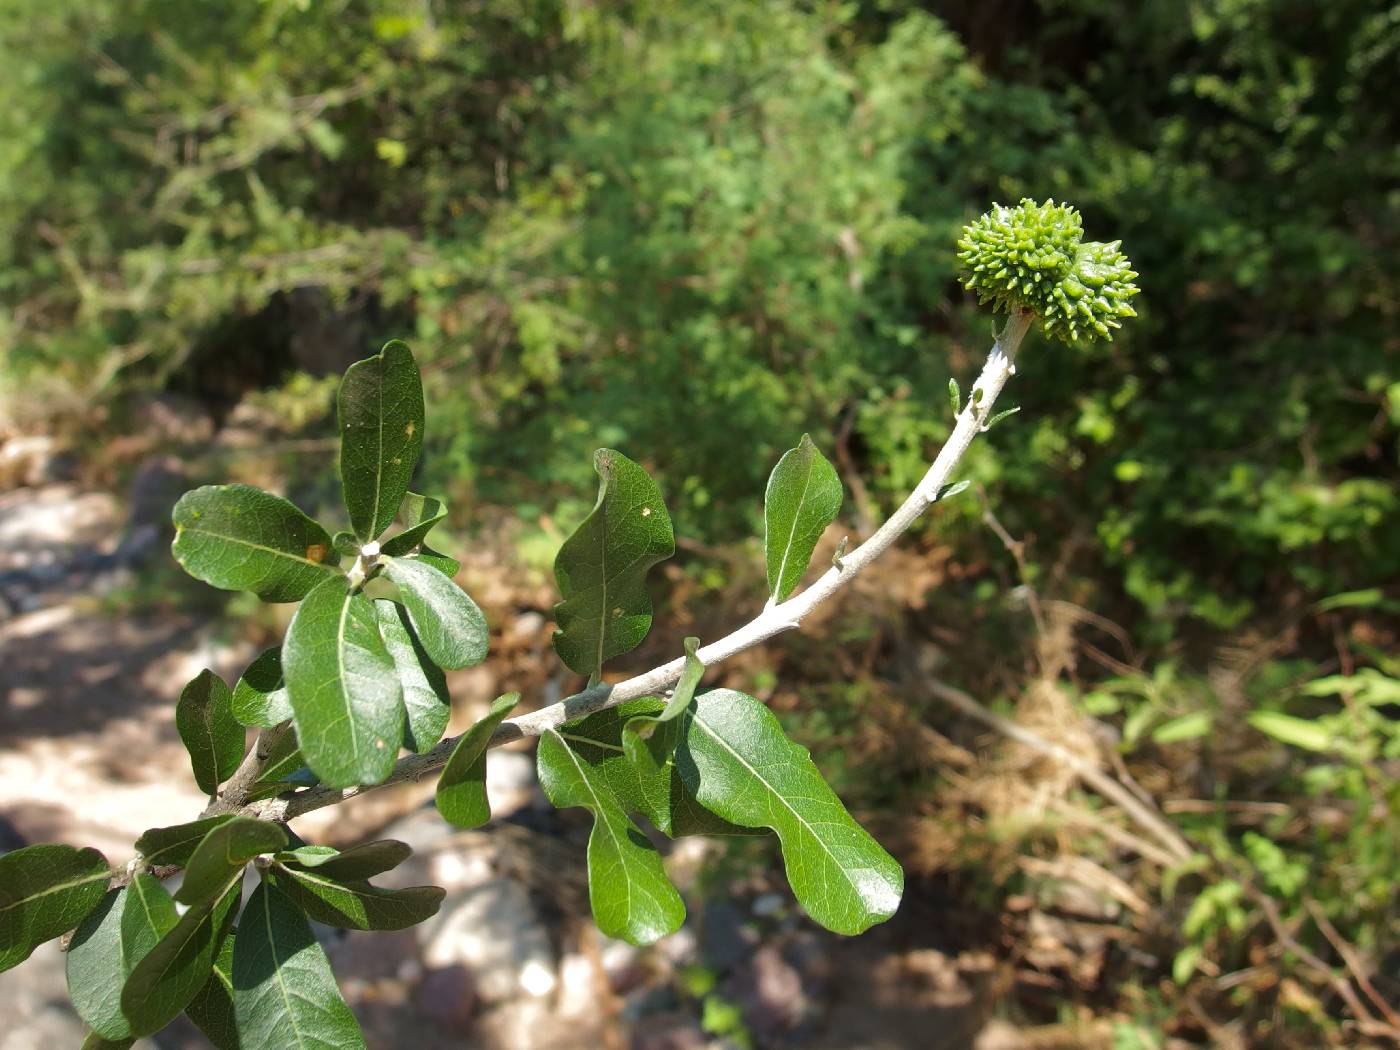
[{"x": 772, "y": 621}]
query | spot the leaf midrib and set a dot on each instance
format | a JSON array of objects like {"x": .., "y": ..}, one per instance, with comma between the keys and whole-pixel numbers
[
  {"x": 780, "y": 797},
  {"x": 69, "y": 885},
  {"x": 259, "y": 547},
  {"x": 601, "y": 818},
  {"x": 277, "y": 969},
  {"x": 792, "y": 531}
]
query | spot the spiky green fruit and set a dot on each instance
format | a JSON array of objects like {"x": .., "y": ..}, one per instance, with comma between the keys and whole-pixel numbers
[{"x": 1034, "y": 256}]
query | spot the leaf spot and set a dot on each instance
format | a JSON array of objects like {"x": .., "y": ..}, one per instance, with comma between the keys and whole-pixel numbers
[
  {"x": 315, "y": 552},
  {"x": 617, "y": 611},
  {"x": 408, "y": 431},
  {"x": 646, "y": 512}
]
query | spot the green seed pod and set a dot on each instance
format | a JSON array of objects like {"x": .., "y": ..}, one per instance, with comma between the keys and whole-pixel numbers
[{"x": 1033, "y": 255}]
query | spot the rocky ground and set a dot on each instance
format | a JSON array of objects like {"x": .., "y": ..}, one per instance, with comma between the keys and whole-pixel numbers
[{"x": 89, "y": 755}]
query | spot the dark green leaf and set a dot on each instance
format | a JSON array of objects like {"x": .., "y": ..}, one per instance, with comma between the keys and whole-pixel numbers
[
  {"x": 358, "y": 862},
  {"x": 108, "y": 944},
  {"x": 171, "y": 975},
  {"x": 355, "y": 904},
  {"x": 381, "y": 434},
  {"x": 284, "y": 761},
  {"x": 739, "y": 764},
  {"x": 449, "y": 567},
  {"x": 211, "y": 1009},
  {"x": 212, "y": 736},
  {"x": 224, "y": 853},
  {"x": 175, "y": 844},
  {"x": 97, "y": 1042},
  {"x": 641, "y": 772},
  {"x": 346, "y": 544},
  {"x": 447, "y": 622},
  {"x": 45, "y": 891},
  {"x": 344, "y": 687},
  {"x": 420, "y": 515},
  {"x": 631, "y": 896},
  {"x": 601, "y": 569},
  {"x": 260, "y": 697},
  {"x": 681, "y": 696},
  {"x": 461, "y": 790},
  {"x": 803, "y": 498},
  {"x": 425, "y": 698},
  {"x": 240, "y": 538},
  {"x": 284, "y": 993}
]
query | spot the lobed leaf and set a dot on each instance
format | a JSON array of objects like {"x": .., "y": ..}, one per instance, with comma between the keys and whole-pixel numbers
[
  {"x": 344, "y": 687},
  {"x": 108, "y": 944},
  {"x": 240, "y": 538},
  {"x": 461, "y": 789},
  {"x": 446, "y": 621},
  {"x": 353, "y": 904},
  {"x": 45, "y": 891},
  {"x": 803, "y": 497},
  {"x": 213, "y": 737},
  {"x": 426, "y": 702},
  {"x": 380, "y": 406},
  {"x": 284, "y": 993},
  {"x": 223, "y": 854},
  {"x": 601, "y": 569},
  {"x": 260, "y": 697},
  {"x": 739, "y": 765},
  {"x": 631, "y": 896}
]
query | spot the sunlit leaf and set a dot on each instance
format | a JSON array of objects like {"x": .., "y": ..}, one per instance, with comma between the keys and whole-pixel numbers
[
  {"x": 354, "y": 904},
  {"x": 631, "y": 896},
  {"x": 445, "y": 620},
  {"x": 803, "y": 497},
  {"x": 420, "y": 515},
  {"x": 225, "y": 851},
  {"x": 601, "y": 569},
  {"x": 260, "y": 697},
  {"x": 738, "y": 763},
  {"x": 381, "y": 435},
  {"x": 461, "y": 790},
  {"x": 425, "y": 698},
  {"x": 358, "y": 862},
  {"x": 344, "y": 687},
  {"x": 240, "y": 538}
]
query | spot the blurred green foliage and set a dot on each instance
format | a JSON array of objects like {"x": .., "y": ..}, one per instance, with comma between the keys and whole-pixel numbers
[{"x": 693, "y": 230}]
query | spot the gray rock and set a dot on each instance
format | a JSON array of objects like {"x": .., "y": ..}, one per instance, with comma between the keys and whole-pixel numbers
[{"x": 494, "y": 931}]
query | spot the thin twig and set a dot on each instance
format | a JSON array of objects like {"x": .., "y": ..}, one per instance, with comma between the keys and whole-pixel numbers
[{"x": 772, "y": 621}]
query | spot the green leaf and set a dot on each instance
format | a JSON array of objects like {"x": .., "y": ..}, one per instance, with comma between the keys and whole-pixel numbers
[
  {"x": 224, "y": 853},
  {"x": 1186, "y": 727},
  {"x": 601, "y": 569},
  {"x": 96, "y": 1042},
  {"x": 212, "y": 736},
  {"x": 684, "y": 692},
  {"x": 380, "y": 405},
  {"x": 211, "y": 1009},
  {"x": 802, "y": 499},
  {"x": 739, "y": 764},
  {"x": 447, "y": 622},
  {"x": 260, "y": 697},
  {"x": 354, "y": 904},
  {"x": 952, "y": 490},
  {"x": 240, "y": 538},
  {"x": 954, "y": 396},
  {"x": 346, "y": 544},
  {"x": 284, "y": 760},
  {"x": 449, "y": 567},
  {"x": 45, "y": 891},
  {"x": 631, "y": 896},
  {"x": 641, "y": 773},
  {"x": 420, "y": 515},
  {"x": 108, "y": 944},
  {"x": 1299, "y": 732},
  {"x": 171, "y": 975},
  {"x": 358, "y": 862},
  {"x": 174, "y": 845},
  {"x": 344, "y": 687},
  {"x": 284, "y": 993},
  {"x": 425, "y": 698},
  {"x": 461, "y": 790}
]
